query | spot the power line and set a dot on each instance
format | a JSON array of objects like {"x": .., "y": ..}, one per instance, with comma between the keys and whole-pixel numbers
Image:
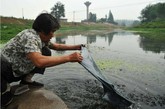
[
  {"x": 118, "y": 6},
  {"x": 124, "y": 5}
]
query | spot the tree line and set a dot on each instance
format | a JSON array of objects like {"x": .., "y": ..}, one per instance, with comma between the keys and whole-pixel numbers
[
  {"x": 108, "y": 19},
  {"x": 148, "y": 14},
  {"x": 58, "y": 11},
  {"x": 153, "y": 12}
]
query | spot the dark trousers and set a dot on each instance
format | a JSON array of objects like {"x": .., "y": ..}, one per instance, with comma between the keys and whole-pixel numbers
[{"x": 8, "y": 77}]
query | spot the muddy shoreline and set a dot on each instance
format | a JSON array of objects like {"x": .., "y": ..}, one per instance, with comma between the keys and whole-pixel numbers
[
  {"x": 137, "y": 78},
  {"x": 78, "y": 89}
]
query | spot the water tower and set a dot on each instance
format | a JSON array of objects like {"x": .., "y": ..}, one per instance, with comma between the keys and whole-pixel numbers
[{"x": 87, "y": 3}]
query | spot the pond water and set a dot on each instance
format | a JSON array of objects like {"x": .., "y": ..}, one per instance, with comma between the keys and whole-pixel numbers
[
  {"x": 124, "y": 42},
  {"x": 134, "y": 64}
]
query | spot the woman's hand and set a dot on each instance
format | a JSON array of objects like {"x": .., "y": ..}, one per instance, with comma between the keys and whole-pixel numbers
[
  {"x": 80, "y": 46},
  {"x": 75, "y": 57}
]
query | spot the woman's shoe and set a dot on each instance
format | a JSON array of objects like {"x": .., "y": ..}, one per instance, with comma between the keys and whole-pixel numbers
[
  {"x": 34, "y": 83},
  {"x": 6, "y": 98}
]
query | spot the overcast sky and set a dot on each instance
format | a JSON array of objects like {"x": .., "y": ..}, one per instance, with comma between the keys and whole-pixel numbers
[{"x": 75, "y": 10}]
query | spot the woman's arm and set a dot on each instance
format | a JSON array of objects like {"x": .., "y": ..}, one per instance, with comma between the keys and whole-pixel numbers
[
  {"x": 61, "y": 47},
  {"x": 42, "y": 61}
]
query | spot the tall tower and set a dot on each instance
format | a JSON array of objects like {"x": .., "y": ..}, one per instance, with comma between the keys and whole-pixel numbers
[{"x": 87, "y": 3}]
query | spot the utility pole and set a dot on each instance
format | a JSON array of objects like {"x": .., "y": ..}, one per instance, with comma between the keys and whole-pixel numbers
[
  {"x": 87, "y": 3},
  {"x": 73, "y": 16},
  {"x": 22, "y": 14}
]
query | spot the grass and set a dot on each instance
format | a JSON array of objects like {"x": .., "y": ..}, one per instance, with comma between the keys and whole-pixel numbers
[
  {"x": 12, "y": 26},
  {"x": 152, "y": 30},
  {"x": 157, "y": 34},
  {"x": 8, "y": 31}
]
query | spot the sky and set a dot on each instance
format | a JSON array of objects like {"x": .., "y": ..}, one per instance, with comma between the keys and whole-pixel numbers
[{"x": 75, "y": 10}]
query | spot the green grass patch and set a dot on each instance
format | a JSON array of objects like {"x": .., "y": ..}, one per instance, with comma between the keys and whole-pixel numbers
[
  {"x": 154, "y": 30},
  {"x": 9, "y": 31},
  {"x": 157, "y": 34}
]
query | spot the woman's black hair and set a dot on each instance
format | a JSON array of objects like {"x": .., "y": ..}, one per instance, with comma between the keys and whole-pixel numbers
[{"x": 45, "y": 23}]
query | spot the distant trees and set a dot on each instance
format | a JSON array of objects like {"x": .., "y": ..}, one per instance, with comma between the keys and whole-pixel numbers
[
  {"x": 110, "y": 18},
  {"x": 102, "y": 20},
  {"x": 58, "y": 10},
  {"x": 92, "y": 17},
  {"x": 127, "y": 23},
  {"x": 153, "y": 12}
]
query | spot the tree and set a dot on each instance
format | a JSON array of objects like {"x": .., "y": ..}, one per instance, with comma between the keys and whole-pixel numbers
[
  {"x": 92, "y": 17},
  {"x": 58, "y": 10},
  {"x": 161, "y": 10},
  {"x": 153, "y": 12},
  {"x": 110, "y": 18},
  {"x": 146, "y": 14},
  {"x": 102, "y": 20}
]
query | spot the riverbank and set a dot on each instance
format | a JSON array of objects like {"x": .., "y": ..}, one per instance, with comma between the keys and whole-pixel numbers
[
  {"x": 152, "y": 30},
  {"x": 11, "y": 26}
]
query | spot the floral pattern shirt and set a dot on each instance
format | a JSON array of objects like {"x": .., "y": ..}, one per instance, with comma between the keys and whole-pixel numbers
[{"x": 16, "y": 50}]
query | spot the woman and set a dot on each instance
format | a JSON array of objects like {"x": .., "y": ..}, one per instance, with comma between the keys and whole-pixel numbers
[{"x": 29, "y": 53}]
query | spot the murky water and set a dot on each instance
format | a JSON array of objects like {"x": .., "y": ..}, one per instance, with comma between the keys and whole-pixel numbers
[{"x": 132, "y": 63}]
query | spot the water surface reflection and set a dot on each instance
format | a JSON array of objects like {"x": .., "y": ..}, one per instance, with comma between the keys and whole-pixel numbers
[{"x": 124, "y": 42}]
